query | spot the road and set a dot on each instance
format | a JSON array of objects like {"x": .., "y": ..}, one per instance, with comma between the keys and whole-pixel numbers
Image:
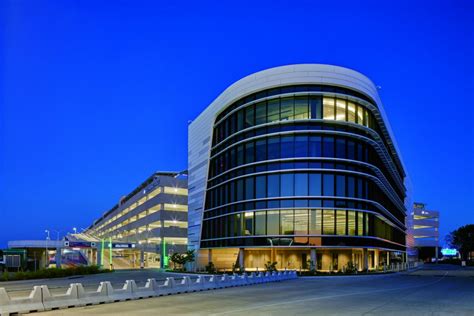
[
  {"x": 90, "y": 282},
  {"x": 432, "y": 290}
]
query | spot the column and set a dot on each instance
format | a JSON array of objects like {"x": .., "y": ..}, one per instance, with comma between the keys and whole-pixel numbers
[
  {"x": 388, "y": 258},
  {"x": 314, "y": 259},
  {"x": 209, "y": 256},
  {"x": 242, "y": 259},
  {"x": 142, "y": 259},
  {"x": 58, "y": 258},
  {"x": 365, "y": 256},
  {"x": 376, "y": 258}
]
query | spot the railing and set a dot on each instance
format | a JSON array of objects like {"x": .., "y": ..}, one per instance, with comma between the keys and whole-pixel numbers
[{"x": 41, "y": 299}]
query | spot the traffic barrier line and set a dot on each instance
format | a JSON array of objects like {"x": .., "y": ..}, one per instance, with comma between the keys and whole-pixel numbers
[{"x": 41, "y": 299}]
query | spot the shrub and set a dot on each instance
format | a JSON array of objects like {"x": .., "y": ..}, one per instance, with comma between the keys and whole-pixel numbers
[
  {"x": 271, "y": 266},
  {"x": 53, "y": 273},
  {"x": 211, "y": 268}
]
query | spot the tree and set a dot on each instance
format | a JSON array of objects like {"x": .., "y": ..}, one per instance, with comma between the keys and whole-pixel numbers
[
  {"x": 462, "y": 239},
  {"x": 182, "y": 259}
]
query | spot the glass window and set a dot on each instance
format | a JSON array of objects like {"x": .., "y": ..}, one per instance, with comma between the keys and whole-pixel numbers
[
  {"x": 315, "y": 218},
  {"x": 314, "y": 184},
  {"x": 301, "y": 108},
  {"x": 301, "y": 222},
  {"x": 261, "y": 150},
  {"x": 273, "y": 185},
  {"x": 340, "y": 148},
  {"x": 248, "y": 223},
  {"x": 316, "y": 107},
  {"x": 273, "y": 110},
  {"x": 328, "y": 108},
  {"x": 287, "y": 184},
  {"x": 301, "y": 184},
  {"x": 351, "y": 112},
  {"x": 341, "y": 110},
  {"x": 287, "y": 147},
  {"x": 315, "y": 146},
  {"x": 287, "y": 110},
  {"x": 360, "y": 224},
  {"x": 351, "y": 150},
  {"x": 240, "y": 120},
  {"x": 237, "y": 225},
  {"x": 351, "y": 223},
  {"x": 273, "y": 223},
  {"x": 273, "y": 148},
  {"x": 249, "y": 116},
  {"x": 260, "y": 113},
  {"x": 340, "y": 185},
  {"x": 328, "y": 146},
  {"x": 287, "y": 222},
  {"x": 351, "y": 187},
  {"x": 328, "y": 184},
  {"x": 340, "y": 222},
  {"x": 260, "y": 187},
  {"x": 249, "y": 152},
  {"x": 249, "y": 188},
  {"x": 260, "y": 223},
  {"x": 366, "y": 117},
  {"x": 301, "y": 146},
  {"x": 240, "y": 155},
  {"x": 328, "y": 222},
  {"x": 360, "y": 115},
  {"x": 240, "y": 189}
]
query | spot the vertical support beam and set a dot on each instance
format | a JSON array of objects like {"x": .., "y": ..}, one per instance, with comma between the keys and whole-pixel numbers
[
  {"x": 436, "y": 254},
  {"x": 314, "y": 259},
  {"x": 101, "y": 257},
  {"x": 58, "y": 258},
  {"x": 209, "y": 256},
  {"x": 388, "y": 258},
  {"x": 242, "y": 258},
  {"x": 365, "y": 258},
  {"x": 376, "y": 258},
  {"x": 110, "y": 254},
  {"x": 142, "y": 259}
]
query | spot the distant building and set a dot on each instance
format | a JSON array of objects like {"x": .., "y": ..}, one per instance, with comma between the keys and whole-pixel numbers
[
  {"x": 153, "y": 218},
  {"x": 423, "y": 233}
]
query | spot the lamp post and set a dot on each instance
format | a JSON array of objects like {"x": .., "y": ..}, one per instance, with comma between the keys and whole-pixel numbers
[{"x": 47, "y": 254}]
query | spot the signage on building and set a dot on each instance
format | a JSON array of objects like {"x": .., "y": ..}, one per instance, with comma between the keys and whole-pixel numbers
[
  {"x": 79, "y": 244},
  {"x": 122, "y": 246},
  {"x": 419, "y": 206},
  {"x": 449, "y": 252}
]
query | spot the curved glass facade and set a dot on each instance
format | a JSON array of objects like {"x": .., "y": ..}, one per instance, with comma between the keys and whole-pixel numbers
[{"x": 303, "y": 166}]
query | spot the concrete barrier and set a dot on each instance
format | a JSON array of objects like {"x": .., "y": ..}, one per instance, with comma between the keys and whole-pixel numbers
[
  {"x": 100, "y": 296},
  {"x": 32, "y": 303},
  {"x": 67, "y": 300},
  {"x": 41, "y": 299}
]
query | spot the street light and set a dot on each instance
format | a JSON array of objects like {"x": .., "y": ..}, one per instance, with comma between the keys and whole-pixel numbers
[
  {"x": 75, "y": 230},
  {"x": 47, "y": 254}
]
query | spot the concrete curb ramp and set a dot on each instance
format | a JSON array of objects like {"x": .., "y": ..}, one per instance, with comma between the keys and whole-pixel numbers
[{"x": 40, "y": 298}]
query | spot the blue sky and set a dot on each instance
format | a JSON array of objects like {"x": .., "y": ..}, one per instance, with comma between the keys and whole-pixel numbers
[{"x": 96, "y": 96}]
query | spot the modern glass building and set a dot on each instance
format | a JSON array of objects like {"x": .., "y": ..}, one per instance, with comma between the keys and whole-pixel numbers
[{"x": 298, "y": 165}]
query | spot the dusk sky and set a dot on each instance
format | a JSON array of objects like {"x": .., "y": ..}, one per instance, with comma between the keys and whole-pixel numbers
[{"x": 96, "y": 95}]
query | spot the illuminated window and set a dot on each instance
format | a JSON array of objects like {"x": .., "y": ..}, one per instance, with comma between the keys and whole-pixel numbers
[
  {"x": 351, "y": 223},
  {"x": 176, "y": 191},
  {"x": 340, "y": 110},
  {"x": 154, "y": 193},
  {"x": 328, "y": 222},
  {"x": 340, "y": 222},
  {"x": 175, "y": 224},
  {"x": 287, "y": 222},
  {"x": 176, "y": 207},
  {"x": 328, "y": 108},
  {"x": 351, "y": 112}
]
